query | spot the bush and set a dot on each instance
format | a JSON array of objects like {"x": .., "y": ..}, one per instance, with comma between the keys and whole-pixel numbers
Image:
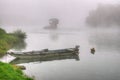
[
  {"x": 9, "y": 40},
  {"x": 3, "y": 46},
  {"x": 19, "y": 34}
]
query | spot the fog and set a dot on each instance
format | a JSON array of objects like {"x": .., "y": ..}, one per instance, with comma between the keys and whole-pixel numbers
[
  {"x": 71, "y": 13},
  {"x": 32, "y": 16}
]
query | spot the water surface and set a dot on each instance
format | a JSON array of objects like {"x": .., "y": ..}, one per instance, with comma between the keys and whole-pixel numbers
[{"x": 103, "y": 65}]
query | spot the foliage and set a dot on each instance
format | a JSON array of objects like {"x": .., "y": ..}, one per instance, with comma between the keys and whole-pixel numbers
[
  {"x": 19, "y": 34},
  {"x": 104, "y": 15},
  {"x": 2, "y": 31},
  {"x": 3, "y": 46},
  {"x": 8, "y": 72},
  {"x": 9, "y": 40}
]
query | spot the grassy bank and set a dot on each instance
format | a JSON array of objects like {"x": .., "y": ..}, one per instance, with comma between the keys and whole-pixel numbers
[
  {"x": 8, "y": 40},
  {"x": 8, "y": 72}
]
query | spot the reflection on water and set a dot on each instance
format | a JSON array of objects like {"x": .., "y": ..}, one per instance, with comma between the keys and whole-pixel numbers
[
  {"x": 106, "y": 40},
  {"x": 100, "y": 66},
  {"x": 40, "y": 59},
  {"x": 53, "y": 34}
]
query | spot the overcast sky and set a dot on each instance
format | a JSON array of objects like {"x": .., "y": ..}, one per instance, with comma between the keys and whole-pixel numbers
[{"x": 37, "y": 12}]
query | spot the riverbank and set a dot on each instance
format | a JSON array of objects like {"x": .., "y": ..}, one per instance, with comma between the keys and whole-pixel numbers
[
  {"x": 9, "y": 72},
  {"x": 8, "y": 41}
]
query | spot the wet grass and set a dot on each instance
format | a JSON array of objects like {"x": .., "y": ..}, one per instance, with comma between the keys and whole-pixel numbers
[{"x": 9, "y": 72}]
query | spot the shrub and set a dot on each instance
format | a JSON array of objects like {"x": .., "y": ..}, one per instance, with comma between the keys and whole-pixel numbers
[
  {"x": 9, "y": 40},
  {"x": 19, "y": 34}
]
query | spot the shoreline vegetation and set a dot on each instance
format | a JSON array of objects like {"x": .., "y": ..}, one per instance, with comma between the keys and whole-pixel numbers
[
  {"x": 11, "y": 72},
  {"x": 8, "y": 41}
]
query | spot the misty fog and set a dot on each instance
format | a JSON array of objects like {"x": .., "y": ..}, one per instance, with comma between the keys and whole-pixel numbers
[
  {"x": 71, "y": 28},
  {"x": 104, "y": 15},
  {"x": 28, "y": 13}
]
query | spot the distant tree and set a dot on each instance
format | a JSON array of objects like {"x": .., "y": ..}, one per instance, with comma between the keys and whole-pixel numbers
[
  {"x": 53, "y": 22},
  {"x": 104, "y": 15}
]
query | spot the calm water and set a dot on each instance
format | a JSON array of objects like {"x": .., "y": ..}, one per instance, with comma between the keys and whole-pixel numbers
[{"x": 103, "y": 65}]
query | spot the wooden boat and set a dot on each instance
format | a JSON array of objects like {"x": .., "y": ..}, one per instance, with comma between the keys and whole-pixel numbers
[{"x": 46, "y": 53}]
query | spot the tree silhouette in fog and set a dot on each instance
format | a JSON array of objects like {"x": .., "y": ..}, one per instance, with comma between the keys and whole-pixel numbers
[
  {"x": 104, "y": 15},
  {"x": 53, "y": 22}
]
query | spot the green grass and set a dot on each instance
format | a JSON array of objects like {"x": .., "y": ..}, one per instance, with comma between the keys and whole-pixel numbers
[
  {"x": 8, "y": 40},
  {"x": 8, "y": 72}
]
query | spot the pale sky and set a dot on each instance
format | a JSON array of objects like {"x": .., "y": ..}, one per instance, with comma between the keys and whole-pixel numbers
[{"x": 37, "y": 12}]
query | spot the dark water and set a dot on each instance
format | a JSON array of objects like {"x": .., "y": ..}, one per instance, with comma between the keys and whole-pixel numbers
[{"x": 103, "y": 65}]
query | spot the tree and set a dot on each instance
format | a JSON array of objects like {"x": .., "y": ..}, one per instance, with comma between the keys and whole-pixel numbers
[
  {"x": 53, "y": 22},
  {"x": 104, "y": 15}
]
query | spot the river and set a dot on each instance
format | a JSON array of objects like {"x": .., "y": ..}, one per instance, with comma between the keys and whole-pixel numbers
[{"x": 103, "y": 65}]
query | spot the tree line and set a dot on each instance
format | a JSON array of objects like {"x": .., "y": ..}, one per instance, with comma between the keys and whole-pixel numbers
[{"x": 104, "y": 15}]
